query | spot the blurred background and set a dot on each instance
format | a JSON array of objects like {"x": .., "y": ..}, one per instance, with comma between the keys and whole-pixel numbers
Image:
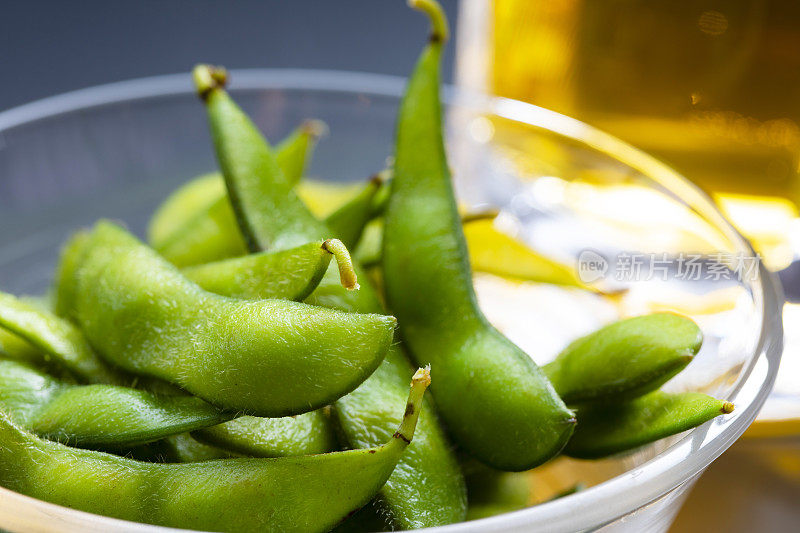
[
  {"x": 51, "y": 46},
  {"x": 712, "y": 87}
]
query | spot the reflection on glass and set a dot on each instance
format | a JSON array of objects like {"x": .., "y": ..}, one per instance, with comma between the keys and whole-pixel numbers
[{"x": 712, "y": 88}]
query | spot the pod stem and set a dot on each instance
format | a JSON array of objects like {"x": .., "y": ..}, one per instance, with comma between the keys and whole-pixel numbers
[
  {"x": 314, "y": 128},
  {"x": 440, "y": 31},
  {"x": 727, "y": 408},
  {"x": 347, "y": 272},
  {"x": 419, "y": 382},
  {"x": 207, "y": 78}
]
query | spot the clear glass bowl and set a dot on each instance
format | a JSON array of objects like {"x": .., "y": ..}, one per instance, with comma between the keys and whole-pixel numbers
[{"x": 116, "y": 151}]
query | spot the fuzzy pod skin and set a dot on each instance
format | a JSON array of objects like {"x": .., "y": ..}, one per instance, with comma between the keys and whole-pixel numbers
[
  {"x": 97, "y": 416},
  {"x": 498, "y": 405},
  {"x": 604, "y": 430},
  {"x": 305, "y": 434},
  {"x": 625, "y": 359},
  {"x": 427, "y": 488},
  {"x": 263, "y": 357},
  {"x": 59, "y": 339},
  {"x": 307, "y": 493},
  {"x": 287, "y": 274},
  {"x": 195, "y": 224}
]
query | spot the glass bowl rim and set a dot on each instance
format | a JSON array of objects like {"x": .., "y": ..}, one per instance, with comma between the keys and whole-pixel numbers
[{"x": 652, "y": 479}]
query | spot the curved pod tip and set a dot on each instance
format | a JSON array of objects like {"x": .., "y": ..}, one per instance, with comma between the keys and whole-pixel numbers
[
  {"x": 207, "y": 78},
  {"x": 440, "y": 32},
  {"x": 347, "y": 272}
]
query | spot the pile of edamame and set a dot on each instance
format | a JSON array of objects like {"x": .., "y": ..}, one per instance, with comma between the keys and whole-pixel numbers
[{"x": 242, "y": 371}]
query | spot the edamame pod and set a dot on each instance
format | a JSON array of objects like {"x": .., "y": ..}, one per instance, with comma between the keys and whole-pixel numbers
[
  {"x": 70, "y": 258},
  {"x": 309, "y": 493},
  {"x": 604, "y": 430},
  {"x": 323, "y": 198},
  {"x": 59, "y": 339},
  {"x": 484, "y": 376},
  {"x": 306, "y": 434},
  {"x": 208, "y": 230},
  {"x": 348, "y": 222},
  {"x": 293, "y": 153},
  {"x": 104, "y": 416},
  {"x": 492, "y": 492},
  {"x": 625, "y": 359},
  {"x": 196, "y": 225},
  {"x": 428, "y": 488},
  {"x": 211, "y": 235},
  {"x": 287, "y": 274},
  {"x": 255, "y": 209},
  {"x": 290, "y": 274},
  {"x": 184, "y": 448},
  {"x": 13, "y": 347},
  {"x": 263, "y": 357},
  {"x": 182, "y": 206}
]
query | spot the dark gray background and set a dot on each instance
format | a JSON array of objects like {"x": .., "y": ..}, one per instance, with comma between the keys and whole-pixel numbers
[{"x": 52, "y": 46}]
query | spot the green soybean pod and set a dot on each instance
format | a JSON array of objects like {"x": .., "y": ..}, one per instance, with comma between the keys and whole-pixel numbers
[
  {"x": 267, "y": 221},
  {"x": 491, "y": 492},
  {"x": 294, "y": 152},
  {"x": 13, "y": 347},
  {"x": 263, "y": 357},
  {"x": 105, "y": 416},
  {"x": 181, "y": 206},
  {"x": 429, "y": 287},
  {"x": 427, "y": 489},
  {"x": 195, "y": 224},
  {"x": 290, "y": 274},
  {"x": 308, "y": 493},
  {"x": 59, "y": 339},
  {"x": 306, "y": 434},
  {"x": 625, "y": 359},
  {"x": 348, "y": 222},
  {"x": 71, "y": 256},
  {"x": 210, "y": 235},
  {"x": 604, "y": 430},
  {"x": 287, "y": 274},
  {"x": 184, "y": 448}
]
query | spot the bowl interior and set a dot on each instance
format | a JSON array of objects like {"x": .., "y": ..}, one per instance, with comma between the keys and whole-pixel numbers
[{"x": 562, "y": 187}]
